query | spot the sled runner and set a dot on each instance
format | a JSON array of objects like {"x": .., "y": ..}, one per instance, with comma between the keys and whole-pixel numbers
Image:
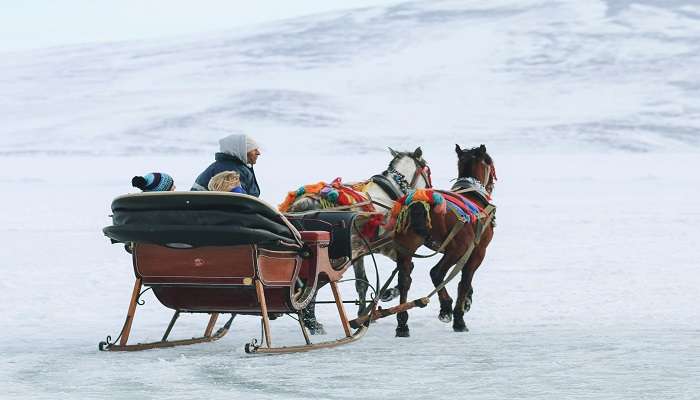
[{"x": 225, "y": 253}]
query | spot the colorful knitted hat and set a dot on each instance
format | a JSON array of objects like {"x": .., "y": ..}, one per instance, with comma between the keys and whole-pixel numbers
[{"x": 154, "y": 182}]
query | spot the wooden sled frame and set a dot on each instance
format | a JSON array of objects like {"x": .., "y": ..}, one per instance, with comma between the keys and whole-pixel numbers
[
  {"x": 267, "y": 274},
  {"x": 223, "y": 253},
  {"x": 123, "y": 337},
  {"x": 209, "y": 336},
  {"x": 254, "y": 348}
]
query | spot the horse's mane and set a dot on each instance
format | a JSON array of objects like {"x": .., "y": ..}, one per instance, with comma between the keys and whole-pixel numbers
[
  {"x": 417, "y": 155},
  {"x": 467, "y": 158}
]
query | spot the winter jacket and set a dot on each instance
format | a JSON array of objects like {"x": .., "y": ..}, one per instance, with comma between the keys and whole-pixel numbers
[
  {"x": 227, "y": 162},
  {"x": 230, "y": 159}
]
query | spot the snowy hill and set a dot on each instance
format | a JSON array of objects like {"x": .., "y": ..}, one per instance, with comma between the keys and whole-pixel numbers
[
  {"x": 533, "y": 75},
  {"x": 590, "y": 109}
]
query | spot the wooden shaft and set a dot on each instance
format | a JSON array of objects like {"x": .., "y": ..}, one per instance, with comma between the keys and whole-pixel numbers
[
  {"x": 210, "y": 325},
  {"x": 341, "y": 309},
  {"x": 263, "y": 310},
  {"x": 381, "y": 312},
  {"x": 130, "y": 314}
]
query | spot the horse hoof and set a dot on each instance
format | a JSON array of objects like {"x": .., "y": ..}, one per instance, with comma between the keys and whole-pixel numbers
[
  {"x": 402, "y": 332},
  {"x": 274, "y": 316},
  {"x": 315, "y": 328},
  {"x": 460, "y": 328},
  {"x": 317, "y": 331},
  {"x": 445, "y": 317},
  {"x": 467, "y": 305},
  {"x": 390, "y": 294}
]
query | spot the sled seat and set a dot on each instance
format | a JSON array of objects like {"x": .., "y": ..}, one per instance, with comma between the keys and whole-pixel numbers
[{"x": 203, "y": 251}]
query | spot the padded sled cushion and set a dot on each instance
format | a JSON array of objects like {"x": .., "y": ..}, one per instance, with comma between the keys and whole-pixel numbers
[{"x": 198, "y": 219}]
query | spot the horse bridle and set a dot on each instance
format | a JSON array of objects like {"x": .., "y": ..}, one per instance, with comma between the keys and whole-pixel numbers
[
  {"x": 422, "y": 170},
  {"x": 490, "y": 171}
]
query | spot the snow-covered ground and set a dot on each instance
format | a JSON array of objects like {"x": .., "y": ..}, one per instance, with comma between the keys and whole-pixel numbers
[{"x": 591, "y": 111}]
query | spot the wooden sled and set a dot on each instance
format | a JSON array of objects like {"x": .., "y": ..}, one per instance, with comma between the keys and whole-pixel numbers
[{"x": 223, "y": 253}]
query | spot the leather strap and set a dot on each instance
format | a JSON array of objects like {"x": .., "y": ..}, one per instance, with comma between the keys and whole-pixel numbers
[
  {"x": 462, "y": 260},
  {"x": 386, "y": 185}
]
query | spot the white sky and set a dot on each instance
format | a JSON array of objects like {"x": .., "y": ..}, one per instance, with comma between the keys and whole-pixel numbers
[{"x": 26, "y": 24}]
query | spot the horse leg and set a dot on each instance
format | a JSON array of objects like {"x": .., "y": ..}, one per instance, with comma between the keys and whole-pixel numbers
[
  {"x": 473, "y": 264},
  {"x": 437, "y": 275},
  {"x": 465, "y": 290},
  {"x": 405, "y": 268},
  {"x": 390, "y": 294},
  {"x": 308, "y": 316},
  {"x": 360, "y": 285},
  {"x": 458, "y": 324}
]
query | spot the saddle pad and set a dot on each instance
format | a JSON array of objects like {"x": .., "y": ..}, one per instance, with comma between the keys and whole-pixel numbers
[
  {"x": 460, "y": 212},
  {"x": 464, "y": 203}
]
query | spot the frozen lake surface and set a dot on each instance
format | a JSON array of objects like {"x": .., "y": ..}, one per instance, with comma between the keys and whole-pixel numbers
[
  {"x": 591, "y": 111},
  {"x": 588, "y": 291}
]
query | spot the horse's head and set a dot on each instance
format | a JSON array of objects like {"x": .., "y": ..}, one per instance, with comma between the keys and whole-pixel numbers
[
  {"x": 409, "y": 170},
  {"x": 478, "y": 164}
]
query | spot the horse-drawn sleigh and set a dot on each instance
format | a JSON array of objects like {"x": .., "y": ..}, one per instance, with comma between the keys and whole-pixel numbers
[{"x": 226, "y": 253}]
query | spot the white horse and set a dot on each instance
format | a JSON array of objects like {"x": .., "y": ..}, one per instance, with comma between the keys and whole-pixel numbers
[{"x": 407, "y": 170}]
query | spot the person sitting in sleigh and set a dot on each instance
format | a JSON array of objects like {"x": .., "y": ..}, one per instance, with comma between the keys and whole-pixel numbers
[
  {"x": 237, "y": 153},
  {"x": 154, "y": 182}
]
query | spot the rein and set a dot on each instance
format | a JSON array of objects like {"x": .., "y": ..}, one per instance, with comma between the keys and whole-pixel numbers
[
  {"x": 423, "y": 172},
  {"x": 459, "y": 265},
  {"x": 488, "y": 173},
  {"x": 453, "y": 232},
  {"x": 460, "y": 223}
]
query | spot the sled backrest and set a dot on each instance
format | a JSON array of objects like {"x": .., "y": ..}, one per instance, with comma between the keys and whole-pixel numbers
[{"x": 194, "y": 219}]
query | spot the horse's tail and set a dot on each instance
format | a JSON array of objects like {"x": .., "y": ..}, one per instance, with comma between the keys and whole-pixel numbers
[
  {"x": 415, "y": 217},
  {"x": 419, "y": 218}
]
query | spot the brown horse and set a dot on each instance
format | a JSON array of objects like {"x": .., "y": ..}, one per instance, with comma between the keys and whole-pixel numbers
[{"x": 453, "y": 235}]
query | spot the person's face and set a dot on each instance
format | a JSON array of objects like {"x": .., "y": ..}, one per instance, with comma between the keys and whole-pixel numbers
[{"x": 253, "y": 156}]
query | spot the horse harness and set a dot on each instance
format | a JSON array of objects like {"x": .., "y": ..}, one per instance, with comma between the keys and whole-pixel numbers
[
  {"x": 473, "y": 186},
  {"x": 395, "y": 184},
  {"x": 484, "y": 218},
  {"x": 400, "y": 179},
  {"x": 488, "y": 212}
]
